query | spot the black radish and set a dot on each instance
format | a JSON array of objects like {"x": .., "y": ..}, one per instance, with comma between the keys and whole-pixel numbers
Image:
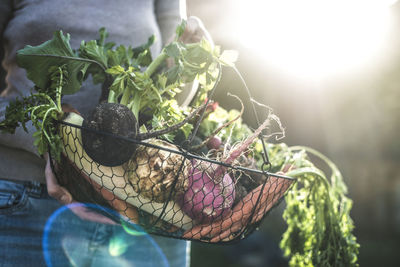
[{"x": 116, "y": 120}]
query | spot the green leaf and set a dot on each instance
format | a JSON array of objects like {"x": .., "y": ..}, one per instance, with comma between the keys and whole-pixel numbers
[
  {"x": 98, "y": 76},
  {"x": 162, "y": 81},
  {"x": 115, "y": 70},
  {"x": 136, "y": 105},
  {"x": 118, "y": 85},
  {"x": 55, "y": 52},
  {"x": 157, "y": 93},
  {"x": 174, "y": 73},
  {"x": 103, "y": 36},
  {"x": 92, "y": 50},
  {"x": 144, "y": 58},
  {"x": 198, "y": 55},
  {"x": 229, "y": 57},
  {"x": 119, "y": 56},
  {"x": 187, "y": 129},
  {"x": 146, "y": 46},
  {"x": 173, "y": 50},
  {"x": 180, "y": 29}
]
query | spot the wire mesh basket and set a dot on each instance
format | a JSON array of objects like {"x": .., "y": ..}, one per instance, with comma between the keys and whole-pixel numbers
[{"x": 168, "y": 191}]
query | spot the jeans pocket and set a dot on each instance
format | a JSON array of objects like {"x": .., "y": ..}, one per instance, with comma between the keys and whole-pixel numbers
[{"x": 13, "y": 197}]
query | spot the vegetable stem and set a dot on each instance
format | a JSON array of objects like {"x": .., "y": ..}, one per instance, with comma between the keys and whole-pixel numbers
[
  {"x": 111, "y": 97},
  {"x": 125, "y": 97},
  {"x": 156, "y": 63},
  {"x": 59, "y": 91},
  {"x": 336, "y": 176},
  {"x": 243, "y": 146},
  {"x": 44, "y": 120},
  {"x": 171, "y": 128}
]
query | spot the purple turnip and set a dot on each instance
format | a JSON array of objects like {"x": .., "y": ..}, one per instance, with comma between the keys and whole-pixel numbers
[
  {"x": 207, "y": 200},
  {"x": 211, "y": 191}
]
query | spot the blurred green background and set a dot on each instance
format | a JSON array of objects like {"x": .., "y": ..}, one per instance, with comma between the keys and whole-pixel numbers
[{"x": 338, "y": 91}]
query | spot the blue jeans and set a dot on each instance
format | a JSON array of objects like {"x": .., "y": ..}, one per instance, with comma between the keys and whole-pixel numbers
[{"x": 35, "y": 230}]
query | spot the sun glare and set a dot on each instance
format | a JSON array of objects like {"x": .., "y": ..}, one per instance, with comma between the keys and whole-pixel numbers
[{"x": 315, "y": 38}]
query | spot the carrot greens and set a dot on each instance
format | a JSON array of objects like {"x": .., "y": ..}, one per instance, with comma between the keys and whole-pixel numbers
[{"x": 317, "y": 213}]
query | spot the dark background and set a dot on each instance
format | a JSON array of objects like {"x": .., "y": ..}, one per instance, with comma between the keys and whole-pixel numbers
[{"x": 352, "y": 118}]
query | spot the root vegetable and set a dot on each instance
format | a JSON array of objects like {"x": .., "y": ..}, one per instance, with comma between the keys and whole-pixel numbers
[
  {"x": 214, "y": 143},
  {"x": 211, "y": 190},
  {"x": 114, "y": 178},
  {"x": 116, "y": 119},
  {"x": 207, "y": 200},
  {"x": 155, "y": 172}
]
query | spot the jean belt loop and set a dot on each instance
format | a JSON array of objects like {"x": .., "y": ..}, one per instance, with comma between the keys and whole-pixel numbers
[{"x": 35, "y": 189}]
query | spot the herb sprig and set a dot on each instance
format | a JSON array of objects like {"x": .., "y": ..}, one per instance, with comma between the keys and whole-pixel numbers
[{"x": 43, "y": 109}]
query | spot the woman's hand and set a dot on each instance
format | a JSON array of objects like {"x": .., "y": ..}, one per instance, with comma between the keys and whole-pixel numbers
[
  {"x": 234, "y": 222},
  {"x": 61, "y": 194},
  {"x": 195, "y": 31}
]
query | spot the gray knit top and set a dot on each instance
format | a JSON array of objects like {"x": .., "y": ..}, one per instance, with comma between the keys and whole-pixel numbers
[{"x": 31, "y": 22}]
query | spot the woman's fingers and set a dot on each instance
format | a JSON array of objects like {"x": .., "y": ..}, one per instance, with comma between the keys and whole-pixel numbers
[
  {"x": 87, "y": 214},
  {"x": 53, "y": 188},
  {"x": 62, "y": 195},
  {"x": 195, "y": 31}
]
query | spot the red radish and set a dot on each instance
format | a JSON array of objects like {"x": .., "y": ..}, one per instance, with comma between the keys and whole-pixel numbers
[{"x": 214, "y": 142}]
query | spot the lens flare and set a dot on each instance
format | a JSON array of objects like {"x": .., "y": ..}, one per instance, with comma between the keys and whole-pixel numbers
[
  {"x": 69, "y": 240},
  {"x": 132, "y": 229},
  {"x": 117, "y": 246}
]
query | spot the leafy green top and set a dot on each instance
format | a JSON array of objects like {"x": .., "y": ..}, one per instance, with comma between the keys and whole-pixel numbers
[
  {"x": 148, "y": 92},
  {"x": 55, "y": 52}
]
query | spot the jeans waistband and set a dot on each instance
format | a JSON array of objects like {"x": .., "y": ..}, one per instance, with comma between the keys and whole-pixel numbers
[{"x": 33, "y": 188}]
